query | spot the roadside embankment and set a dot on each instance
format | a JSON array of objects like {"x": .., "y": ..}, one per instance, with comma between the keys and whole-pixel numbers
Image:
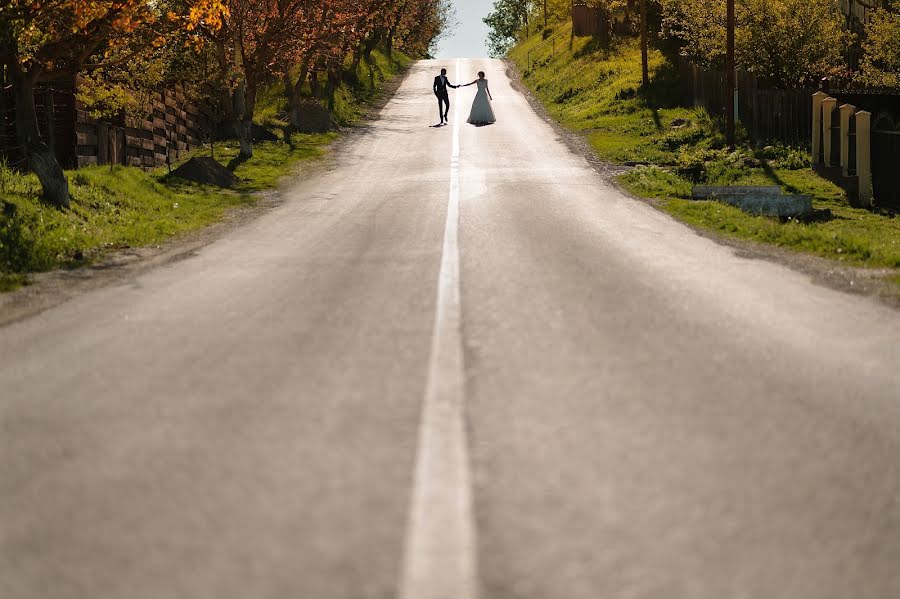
[
  {"x": 116, "y": 207},
  {"x": 598, "y": 94}
]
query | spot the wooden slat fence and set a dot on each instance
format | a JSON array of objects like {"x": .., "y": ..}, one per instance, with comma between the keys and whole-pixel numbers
[
  {"x": 54, "y": 106},
  {"x": 768, "y": 114},
  {"x": 174, "y": 126}
]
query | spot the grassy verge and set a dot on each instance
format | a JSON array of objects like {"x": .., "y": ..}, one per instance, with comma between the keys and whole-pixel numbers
[
  {"x": 359, "y": 87},
  {"x": 121, "y": 206},
  {"x": 598, "y": 94}
]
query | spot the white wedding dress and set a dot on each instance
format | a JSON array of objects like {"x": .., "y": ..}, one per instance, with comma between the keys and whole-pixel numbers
[{"x": 481, "y": 112}]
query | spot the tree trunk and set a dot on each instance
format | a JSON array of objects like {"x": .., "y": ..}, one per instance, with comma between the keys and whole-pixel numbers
[
  {"x": 645, "y": 65},
  {"x": 39, "y": 156},
  {"x": 357, "y": 58},
  {"x": 370, "y": 44},
  {"x": 245, "y": 134},
  {"x": 330, "y": 89},
  {"x": 314, "y": 84},
  {"x": 288, "y": 88},
  {"x": 389, "y": 43},
  {"x": 297, "y": 95}
]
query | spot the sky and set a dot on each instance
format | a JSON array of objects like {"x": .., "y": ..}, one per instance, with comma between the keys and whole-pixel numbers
[{"x": 467, "y": 39}]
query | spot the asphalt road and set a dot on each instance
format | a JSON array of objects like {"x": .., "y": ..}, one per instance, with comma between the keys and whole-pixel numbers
[{"x": 560, "y": 394}]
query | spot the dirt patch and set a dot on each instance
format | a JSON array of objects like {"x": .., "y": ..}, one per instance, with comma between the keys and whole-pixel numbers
[
  {"x": 205, "y": 170},
  {"x": 828, "y": 273}
]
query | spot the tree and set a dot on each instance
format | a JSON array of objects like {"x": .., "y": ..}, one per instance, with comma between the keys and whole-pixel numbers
[
  {"x": 880, "y": 65},
  {"x": 645, "y": 62},
  {"x": 53, "y": 39},
  {"x": 505, "y": 22},
  {"x": 773, "y": 38}
]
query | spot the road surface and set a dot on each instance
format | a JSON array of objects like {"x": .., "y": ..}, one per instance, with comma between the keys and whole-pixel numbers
[{"x": 455, "y": 364}]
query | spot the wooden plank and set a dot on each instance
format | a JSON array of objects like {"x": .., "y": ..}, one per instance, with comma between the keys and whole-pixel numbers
[
  {"x": 86, "y": 138},
  {"x": 102, "y": 144}
]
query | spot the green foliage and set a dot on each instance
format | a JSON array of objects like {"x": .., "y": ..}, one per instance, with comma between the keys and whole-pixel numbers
[
  {"x": 851, "y": 235},
  {"x": 655, "y": 182},
  {"x": 774, "y": 39},
  {"x": 125, "y": 89},
  {"x": 504, "y": 22},
  {"x": 880, "y": 65},
  {"x": 598, "y": 93}
]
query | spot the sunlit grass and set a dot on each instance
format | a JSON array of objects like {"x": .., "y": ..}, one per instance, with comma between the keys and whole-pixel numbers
[
  {"x": 598, "y": 93},
  {"x": 116, "y": 207}
]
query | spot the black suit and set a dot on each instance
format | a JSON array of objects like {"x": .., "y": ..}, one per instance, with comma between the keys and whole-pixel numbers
[{"x": 441, "y": 83}]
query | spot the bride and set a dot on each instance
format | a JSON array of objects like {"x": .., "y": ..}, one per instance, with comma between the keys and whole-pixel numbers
[{"x": 481, "y": 113}]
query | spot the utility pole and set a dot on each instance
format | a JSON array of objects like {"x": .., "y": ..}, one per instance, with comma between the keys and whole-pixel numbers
[
  {"x": 645, "y": 67},
  {"x": 545, "y": 14},
  {"x": 729, "y": 76}
]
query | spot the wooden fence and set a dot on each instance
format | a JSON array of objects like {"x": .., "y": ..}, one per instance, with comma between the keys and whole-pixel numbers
[
  {"x": 861, "y": 10},
  {"x": 174, "y": 126},
  {"x": 589, "y": 19},
  {"x": 767, "y": 114},
  {"x": 55, "y": 108}
]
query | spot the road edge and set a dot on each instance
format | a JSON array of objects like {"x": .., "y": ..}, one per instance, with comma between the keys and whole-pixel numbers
[{"x": 821, "y": 271}]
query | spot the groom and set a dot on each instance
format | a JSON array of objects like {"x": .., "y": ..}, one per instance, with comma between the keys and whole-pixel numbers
[{"x": 440, "y": 90}]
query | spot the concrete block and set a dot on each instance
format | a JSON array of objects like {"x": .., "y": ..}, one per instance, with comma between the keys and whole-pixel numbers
[
  {"x": 847, "y": 111},
  {"x": 759, "y": 200},
  {"x": 828, "y": 107},
  {"x": 817, "y": 125},
  {"x": 706, "y": 192}
]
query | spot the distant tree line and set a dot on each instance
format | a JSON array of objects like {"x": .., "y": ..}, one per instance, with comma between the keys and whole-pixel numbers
[{"x": 221, "y": 50}]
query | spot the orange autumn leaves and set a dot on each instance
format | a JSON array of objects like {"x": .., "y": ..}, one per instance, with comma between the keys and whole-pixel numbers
[{"x": 60, "y": 35}]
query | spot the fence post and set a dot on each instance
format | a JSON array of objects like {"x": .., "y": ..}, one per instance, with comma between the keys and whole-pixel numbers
[
  {"x": 864, "y": 156},
  {"x": 847, "y": 111},
  {"x": 828, "y": 106}
]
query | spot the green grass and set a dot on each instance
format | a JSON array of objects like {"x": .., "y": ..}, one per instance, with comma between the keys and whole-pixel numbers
[
  {"x": 357, "y": 89},
  {"x": 271, "y": 160},
  {"x": 128, "y": 207},
  {"x": 598, "y": 94}
]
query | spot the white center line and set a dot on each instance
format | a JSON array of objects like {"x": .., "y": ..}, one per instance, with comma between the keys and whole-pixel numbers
[{"x": 439, "y": 559}]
